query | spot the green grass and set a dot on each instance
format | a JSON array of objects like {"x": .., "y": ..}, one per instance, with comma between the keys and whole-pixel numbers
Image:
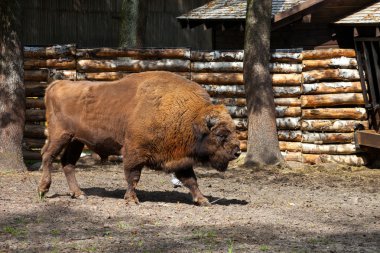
[
  {"x": 14, "y": 231},
  {"x": 263, "y": 248}
]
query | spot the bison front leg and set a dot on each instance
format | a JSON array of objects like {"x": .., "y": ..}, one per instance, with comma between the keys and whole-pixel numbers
[
  {"x": 132, "y": 175},
  {"x": 188, "y": 179}
]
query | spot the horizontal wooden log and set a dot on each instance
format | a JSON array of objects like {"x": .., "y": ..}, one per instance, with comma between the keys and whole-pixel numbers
[
  {"x": 288, "y": 123},
  {"x": 353, "y": 160},
  {"x": 229, "y": 101},
  {"x": 223, "y": 67},
  {"x": 132, "y": 65},
  {"x": 287, "y": 111},
  {"x": 330, "y": 75},
  {"x": 61, "y": 63},
  {"x": 31, "y": 155},
  {"x": 102, "y": 76},
  {"x": 217, "y": 78},
  {"x": 327, "y": 138},
  {"x": 33, "y": 143},
  {"x": 241, "y": 123},
  {"x": 332, "y": 149},
  {"x": 243, "y": 145},
  {"x": 336, "y": 87},
  {"x": 335, "y": 113},
  {"x": 342, "y": 62},
  {"x": 227, "y": 56},
  {"x": 326, "y": 125},
  {"x": 36, "y": 75},
  {"x": 56, "y": 51},
  {"x": 287, "y": 101},
  {"x": 292, "y": 91},
  {"x": 325, "y": 100},
  {"x": 35, "y": 103},
  {"x": 34, "y": 131},
  {"x": 286, "y": 135},
  {"x": 311, "y": 158},
  {"x": 292, "y": 156},
  {"x": 35, "y": 89},
  {"x": 57, "y": 74},
  {"x": 286, "y": 57},
  {"x": 277, "y": 67},
  {"x": 35, "y": 115},
  {"x": 287, "y": 79},
  {"x": 290, "y": 146},
  {"x": 225, "y": 90},
  {"x": 328, "y": 53},
  {"x": 242, "y": 135},
  {"x": 237, "y": 111},
  {"x": 172, "y": 53}
]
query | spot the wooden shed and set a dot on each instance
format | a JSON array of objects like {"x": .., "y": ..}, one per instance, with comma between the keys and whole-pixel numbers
[{"x": 306, "y": 24}]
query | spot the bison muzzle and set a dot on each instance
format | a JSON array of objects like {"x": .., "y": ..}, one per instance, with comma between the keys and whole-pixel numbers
[{"x": 155, "y": 119}]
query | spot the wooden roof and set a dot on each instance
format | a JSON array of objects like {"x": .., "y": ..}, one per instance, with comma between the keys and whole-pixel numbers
[
  {"x": 232, "y": 9},
  {"x": 368, "y": 15}
]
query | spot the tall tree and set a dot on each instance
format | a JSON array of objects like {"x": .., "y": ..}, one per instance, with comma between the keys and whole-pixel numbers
[
  {"x": 133, "y": 21},
  {"x": 263, "y": 147},
  {"x": 12, "y": 94}
]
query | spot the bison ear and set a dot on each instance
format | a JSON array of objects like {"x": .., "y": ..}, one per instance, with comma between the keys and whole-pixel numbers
[{"x": 204, "y": 126}]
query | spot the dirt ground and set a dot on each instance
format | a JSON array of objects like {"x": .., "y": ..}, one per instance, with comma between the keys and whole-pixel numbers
[{"x": 295, "y": 209}]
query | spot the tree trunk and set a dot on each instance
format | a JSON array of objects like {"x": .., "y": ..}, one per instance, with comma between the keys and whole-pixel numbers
[
  {"x": 133, "y": 22},
  {"x": 12, "y": 94},
  {"x": 263, "y": 146}
]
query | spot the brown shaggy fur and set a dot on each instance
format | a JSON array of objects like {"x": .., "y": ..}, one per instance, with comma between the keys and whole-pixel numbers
[{"x": 155, "y": 119}]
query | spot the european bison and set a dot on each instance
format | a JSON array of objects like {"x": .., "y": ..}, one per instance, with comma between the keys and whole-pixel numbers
[{"x": 156, "y": 119}]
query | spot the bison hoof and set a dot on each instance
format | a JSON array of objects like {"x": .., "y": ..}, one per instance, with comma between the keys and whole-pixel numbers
[
  {"x": 78, "y": 195},
  {"x": 131, "y": 200},
  {"x": 203, "y": 202}
]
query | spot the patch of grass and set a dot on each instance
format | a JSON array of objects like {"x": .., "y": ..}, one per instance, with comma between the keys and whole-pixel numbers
[
  {"x": 230, "y": 248},
  {"x": 263, "y": 248},
  {"x": 14, "y": 231},
  {"x": 55, "y": 232},
  {"x": 201, "y": 234},
  {"x": 90, "y": 249},
  {"x": 122, "y": 225}
]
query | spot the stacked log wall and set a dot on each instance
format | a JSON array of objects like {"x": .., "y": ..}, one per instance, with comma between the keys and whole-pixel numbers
[
  {"x": 332, "y": 105},
  {"x": 317, "y": 93},
  {"x": 42, "y": 65}
]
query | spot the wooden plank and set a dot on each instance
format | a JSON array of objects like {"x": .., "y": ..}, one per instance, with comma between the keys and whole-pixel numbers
[
  {"x": 286, "y": 135},
  {"x": 57, "y": 74},
  {"x": 60, "y": 63},
  {"x": 228, "y": 56},
  {"x": 326, "y": 100},
  {"x": 56, "y": 51},
  {"x": 34, "y": 131},
  {"x": 278, "y": 67},
  {"x": 287, "y": 111},
  {"x": 35, "y": 89},
  {"x": 35, "y": 115},
  {"x": 327, "y": 138},
  {"x": 133, "y": 65},
  {"x": 288, "y": 123},
  {"x": 230, "y": 101},
  {"x": 335, "y": 87},
  {"x": 287, "y": 79},
  {"x": 169, "y": 53},
  {"x": 33, "y": 143},
  {"x": 287, "y": 101},
  {"x": 328, "y": 53},
  {"x": 353, "y": 160},
  {"x": 329, "y": 125},
  {"x": 292, "y": 156},
  {"x": 286, "y": 57},
  {"x": 330, "y": 74},
  {"x": 342, "y": 62},
  {"x": 35, "y": 103},
  {"x": 335, "y": 113},
  {"x": 31, "y": 155},
  {"x": 102, "y": 76},
  {"x": 332, "y": 149},
  {"x": 223, "y": 67},
  {"x": 218, "y": 78},
  {"x": 292, "y": 91},
  {"x": 225, "y": 90},
  {"x": 36, "y": 75},
  {"x": 290, "y": 146}
]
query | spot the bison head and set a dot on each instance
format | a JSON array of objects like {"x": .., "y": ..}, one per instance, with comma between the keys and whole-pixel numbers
[{"x": 217, "y": 142}]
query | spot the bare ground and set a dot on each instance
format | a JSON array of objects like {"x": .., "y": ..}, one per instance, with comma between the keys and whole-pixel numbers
[{"x": 299, "y": 209}]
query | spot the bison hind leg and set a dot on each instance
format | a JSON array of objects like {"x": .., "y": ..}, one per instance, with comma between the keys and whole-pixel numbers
[
  {"x": 51, "y": 149},
  {"x": 69, "y": 159}
]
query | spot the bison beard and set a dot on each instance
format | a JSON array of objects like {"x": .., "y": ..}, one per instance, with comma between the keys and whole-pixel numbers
[{"x": 155, "y": 119}]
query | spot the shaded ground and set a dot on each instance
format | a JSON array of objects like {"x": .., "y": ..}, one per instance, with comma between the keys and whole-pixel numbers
[{"x": 298, "y": 209}]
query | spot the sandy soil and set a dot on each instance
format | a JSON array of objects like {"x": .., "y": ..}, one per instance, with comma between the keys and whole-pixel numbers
[{"x": 298, "y": 209}]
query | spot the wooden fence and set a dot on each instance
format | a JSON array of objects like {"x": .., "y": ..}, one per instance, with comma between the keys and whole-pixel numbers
[{"x": 317, "y": 93}]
